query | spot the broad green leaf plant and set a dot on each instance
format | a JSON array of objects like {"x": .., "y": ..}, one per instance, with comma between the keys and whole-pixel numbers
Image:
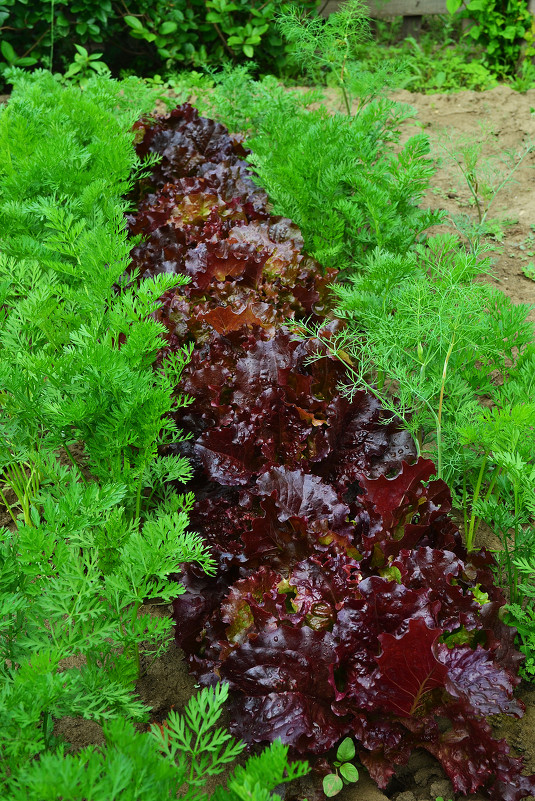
[
  {"x": 501, "y": 29},
  {"x": 345, "y": 772},
  {"x": 84, "y": 65}
]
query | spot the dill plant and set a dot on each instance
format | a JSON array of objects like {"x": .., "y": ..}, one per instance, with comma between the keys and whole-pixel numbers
[
  {"x": 437, "y": 348},
  {"x": 328, "y": 46},
  {"x": 484, "y": 175},
  {"x": 342, "y": 178}
]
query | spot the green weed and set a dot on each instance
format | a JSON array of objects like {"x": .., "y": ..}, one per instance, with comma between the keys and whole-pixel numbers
[
  {"x": 345, "y": 772},
  {"x": 529, "y": 270},
  {"x": 485, "y": 169}
]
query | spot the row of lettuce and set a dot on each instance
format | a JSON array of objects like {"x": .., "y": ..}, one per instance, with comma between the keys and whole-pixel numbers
[
  {"x": 345, "y": 603},
  {"x": 91, "y": 532},
  {"x": 449, "y": 355}
]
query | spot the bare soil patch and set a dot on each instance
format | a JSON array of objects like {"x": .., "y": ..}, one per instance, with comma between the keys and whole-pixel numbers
[{"x": 508, "y": 115}]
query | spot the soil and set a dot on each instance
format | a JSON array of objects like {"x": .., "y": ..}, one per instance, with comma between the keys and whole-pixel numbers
[
  {"x": 166, "y": 683},
  {"x": 506, "y": 117}
]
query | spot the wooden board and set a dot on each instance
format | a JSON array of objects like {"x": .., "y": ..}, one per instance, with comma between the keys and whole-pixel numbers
[
  {"x": 391, "y": 8},
  {"x": 405, "y": 8}
]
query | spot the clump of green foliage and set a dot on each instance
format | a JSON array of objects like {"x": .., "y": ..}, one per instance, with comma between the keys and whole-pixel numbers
[
  {"x": 452, "y": 54},
  {"x": 84, "y": 65},
  {"x": 428, "y": 66},
  {"x": 501, "y": 29},
  {"x": 339, "y": 176},
  {"x": 475, "y": 46},
  {"x": 144, "y": 34},
  {"x": 178, "y": 757}
]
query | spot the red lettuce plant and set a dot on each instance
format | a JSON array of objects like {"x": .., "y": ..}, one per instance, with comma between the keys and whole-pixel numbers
[{"x": 345, "y": 602}]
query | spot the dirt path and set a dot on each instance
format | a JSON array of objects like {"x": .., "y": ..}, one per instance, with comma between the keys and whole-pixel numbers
[{"x": 507, "y": 117}]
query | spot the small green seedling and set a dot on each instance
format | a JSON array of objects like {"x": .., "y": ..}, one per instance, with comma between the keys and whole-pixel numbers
[
  {"x": 345, "y": 773},
  {"x": 529, "y": 270}
]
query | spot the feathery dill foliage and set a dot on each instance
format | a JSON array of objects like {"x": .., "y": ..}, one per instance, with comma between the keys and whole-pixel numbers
[
  {"x": 342, "y": 178},
  {"x": 326, "y": 49},
  {"x": 455, "y": 360}
]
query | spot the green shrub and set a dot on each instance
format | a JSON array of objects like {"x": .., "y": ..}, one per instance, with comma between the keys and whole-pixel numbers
[
  {"x": 145, "y": 33},
  {"x": 501, "y": 29}
]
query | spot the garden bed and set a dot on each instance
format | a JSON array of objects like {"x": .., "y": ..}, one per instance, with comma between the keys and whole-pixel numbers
[{"x": 166, "y": 685}]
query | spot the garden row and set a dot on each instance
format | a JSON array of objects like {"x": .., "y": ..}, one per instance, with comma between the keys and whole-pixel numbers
[
  {"x": 344, "y": 602},
  {"x": 450, "y": 357}
]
